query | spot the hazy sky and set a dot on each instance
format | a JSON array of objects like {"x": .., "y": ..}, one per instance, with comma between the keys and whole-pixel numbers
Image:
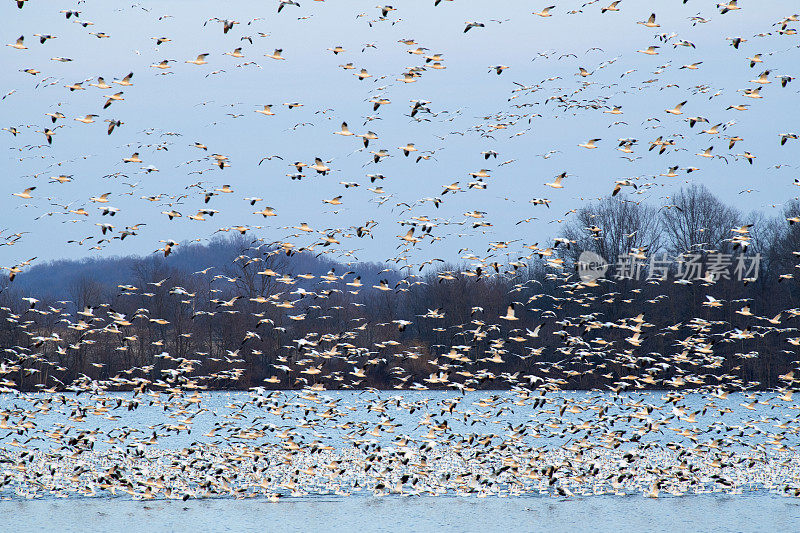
[{"x": 466, "y": 100}]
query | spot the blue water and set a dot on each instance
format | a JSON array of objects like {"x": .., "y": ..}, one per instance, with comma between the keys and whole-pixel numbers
[{"x": 707, "y": 513}]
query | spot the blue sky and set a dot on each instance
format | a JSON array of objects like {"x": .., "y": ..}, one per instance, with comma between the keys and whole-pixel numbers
[{"x": 205, "y": 107}]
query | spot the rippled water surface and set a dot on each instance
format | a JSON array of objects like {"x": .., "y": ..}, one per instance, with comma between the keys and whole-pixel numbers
[{"x": 692, "y": 513}]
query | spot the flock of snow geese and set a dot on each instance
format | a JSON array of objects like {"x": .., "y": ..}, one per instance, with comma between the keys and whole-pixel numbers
[{"x": 156, "y": 431}]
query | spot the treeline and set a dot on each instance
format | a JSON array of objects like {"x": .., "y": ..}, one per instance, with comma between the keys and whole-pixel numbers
[{"x": 262, "y": 317}]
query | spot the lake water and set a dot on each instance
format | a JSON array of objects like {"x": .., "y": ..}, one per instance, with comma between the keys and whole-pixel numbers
[{"x": 708, "y": 513}]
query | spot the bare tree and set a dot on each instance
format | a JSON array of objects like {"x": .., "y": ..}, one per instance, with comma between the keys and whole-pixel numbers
[
  {"x": 612, "y": 228},
  {"x": 784, "y": 236},
  {"x": 86, "y": 292},
  {"x": 697, "y": 220}
]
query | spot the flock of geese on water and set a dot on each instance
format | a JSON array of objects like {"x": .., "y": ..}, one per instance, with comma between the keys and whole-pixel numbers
[
  {"x": 275, "y": 444},
  {"x": 171, "y": 438}
]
